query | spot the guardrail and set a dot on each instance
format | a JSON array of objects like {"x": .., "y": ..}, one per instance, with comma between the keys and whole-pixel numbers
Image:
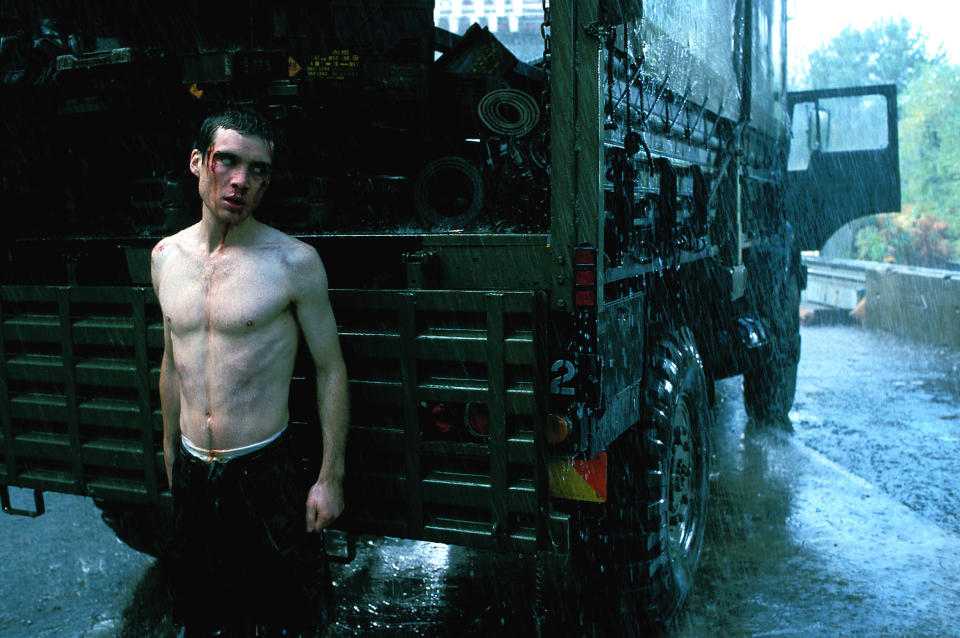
[
  {"x": 835, "y": 284},
  {"x": 918, "y": 303}
]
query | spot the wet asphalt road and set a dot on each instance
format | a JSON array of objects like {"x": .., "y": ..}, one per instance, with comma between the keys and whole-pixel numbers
[{"x": 850, "y": 526}]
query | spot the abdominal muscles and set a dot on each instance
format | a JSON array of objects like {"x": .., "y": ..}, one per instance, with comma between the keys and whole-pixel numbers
[{"x": 234, "y": 390}]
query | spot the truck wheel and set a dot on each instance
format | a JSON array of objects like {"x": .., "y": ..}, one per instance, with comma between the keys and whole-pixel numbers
[
  {"x": 644, "y": 546},
  {"x": 768, "y": 389},
  {"x": 145, "y": 528}
]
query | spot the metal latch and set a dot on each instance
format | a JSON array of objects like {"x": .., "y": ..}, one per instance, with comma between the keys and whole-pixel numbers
[
  {"x": 344, "y": 538},
  {"x": 737, "y": 280},
  {"x": 39, "y": 507},
  {"x": 423, "y": 269}
]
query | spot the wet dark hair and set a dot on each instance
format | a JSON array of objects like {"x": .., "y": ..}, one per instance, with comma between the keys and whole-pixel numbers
[{"x": 242, "y": 119}]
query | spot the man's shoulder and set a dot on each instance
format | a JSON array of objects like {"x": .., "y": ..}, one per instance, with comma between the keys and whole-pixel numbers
[
  {"x": 294, "y": 253},
  {"x": 299, "y": 261},
  {"x": 172, "y": 244},
  {"x": 171, "y": 253}
]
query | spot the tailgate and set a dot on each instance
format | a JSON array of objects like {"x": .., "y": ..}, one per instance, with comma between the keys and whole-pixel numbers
[
  {"x": 420, "y": 362},
  {"x": 79, "y": 368},
  {"x": 78, "y": 378}
]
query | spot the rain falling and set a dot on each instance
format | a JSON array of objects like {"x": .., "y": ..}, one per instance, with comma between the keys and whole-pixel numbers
[{"x": 559, "y": 317}]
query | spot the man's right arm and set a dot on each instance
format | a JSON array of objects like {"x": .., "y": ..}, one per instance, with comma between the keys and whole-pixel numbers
[
  {"x": 169, "y": 404},
  {"x": 169, "y": 379}
]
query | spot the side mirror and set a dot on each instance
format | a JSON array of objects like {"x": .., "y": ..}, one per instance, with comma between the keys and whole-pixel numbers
[{"x": 818, "y": 129}]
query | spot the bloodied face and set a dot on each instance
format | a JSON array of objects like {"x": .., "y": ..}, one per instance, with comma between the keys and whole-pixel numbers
[{"x": 234, "y": 172}]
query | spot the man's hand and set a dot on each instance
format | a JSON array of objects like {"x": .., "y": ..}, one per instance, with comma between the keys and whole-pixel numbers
[{"x": 324, "y": 504}]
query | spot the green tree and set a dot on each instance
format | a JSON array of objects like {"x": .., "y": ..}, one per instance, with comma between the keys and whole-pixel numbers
[
  {"x": 892, "y": 52},
  {"x": 930, "y": 140},
  {"x": 929, "y": 229},
  {"x": 927, "y": 232},
  {"x": 886, "y": 52}
]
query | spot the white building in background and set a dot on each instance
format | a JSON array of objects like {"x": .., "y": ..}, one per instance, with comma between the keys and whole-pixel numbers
[{"x": 498, "y": 15}]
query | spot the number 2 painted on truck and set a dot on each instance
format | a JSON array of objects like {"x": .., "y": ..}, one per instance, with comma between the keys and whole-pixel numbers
[{"x": 557, "y": 384}]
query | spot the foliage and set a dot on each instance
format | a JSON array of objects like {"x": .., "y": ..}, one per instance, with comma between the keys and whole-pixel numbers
[
  {"x": 915, "y": 238},
  {"x": 930, "y": 141},
  {"x": 927, "y": 233},
  {"x": 887, "y": 52}
]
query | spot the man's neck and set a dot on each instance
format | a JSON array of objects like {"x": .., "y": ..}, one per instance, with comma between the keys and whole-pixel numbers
[{"x": 216, "y": 235}]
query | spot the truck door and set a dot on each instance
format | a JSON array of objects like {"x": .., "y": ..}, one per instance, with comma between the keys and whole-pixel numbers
[{"x": 843, "y": 161}]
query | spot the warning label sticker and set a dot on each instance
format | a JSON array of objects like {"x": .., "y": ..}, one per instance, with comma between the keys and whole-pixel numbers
[{"x": 339, "y": 64}]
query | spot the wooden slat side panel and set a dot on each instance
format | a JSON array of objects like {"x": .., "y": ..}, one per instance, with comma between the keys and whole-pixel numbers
[
  {"x": 70, "y": 387},
  {"x": 6, "y": 418},
  {"x": 98, "y": 394}
]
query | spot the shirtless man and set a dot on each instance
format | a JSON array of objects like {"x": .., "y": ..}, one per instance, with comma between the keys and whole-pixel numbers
[{"x": 233, "y": 292}]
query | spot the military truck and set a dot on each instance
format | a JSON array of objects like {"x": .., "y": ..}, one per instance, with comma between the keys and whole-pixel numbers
[{"x": 540, "y": 265}]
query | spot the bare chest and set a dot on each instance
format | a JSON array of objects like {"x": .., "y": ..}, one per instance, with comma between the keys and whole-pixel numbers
[{"x": 224, "y": 295}]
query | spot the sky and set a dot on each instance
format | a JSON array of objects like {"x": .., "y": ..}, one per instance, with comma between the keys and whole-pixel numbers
[{"x": 812, "y": 23}]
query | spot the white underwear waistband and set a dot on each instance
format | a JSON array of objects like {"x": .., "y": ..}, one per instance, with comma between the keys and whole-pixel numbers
[{"x": 223, "y": 456}]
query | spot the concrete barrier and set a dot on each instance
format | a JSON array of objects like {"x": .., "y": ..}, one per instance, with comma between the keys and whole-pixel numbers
[{"x": 918, "y": 303}]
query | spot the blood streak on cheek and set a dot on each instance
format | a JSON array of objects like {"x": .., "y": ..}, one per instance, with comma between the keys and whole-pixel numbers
[
  {"x": 212, "y": 168},
  {"x": 211, "y": 161}
]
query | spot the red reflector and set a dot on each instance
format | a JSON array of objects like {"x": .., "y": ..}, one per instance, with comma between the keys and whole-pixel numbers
[
  {"x": 584, "y": 278},
  {"x": 594, "y": 472},
  {"x": 478, "y": 418},
  {"x": 579, "y": 480},
  {"x": 584, "y": 257},
  {"x": 442, "y": 419},
  {"x": 585, "y": 297}
]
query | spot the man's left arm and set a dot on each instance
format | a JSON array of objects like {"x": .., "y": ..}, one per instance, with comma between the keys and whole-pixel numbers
[{"x": 315, "y": 316}]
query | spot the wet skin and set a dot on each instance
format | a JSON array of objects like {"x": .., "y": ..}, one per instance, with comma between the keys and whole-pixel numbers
[{"x": 233, "y": 293}]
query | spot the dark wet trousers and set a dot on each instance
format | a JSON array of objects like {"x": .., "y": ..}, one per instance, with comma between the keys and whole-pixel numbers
[{"x": 242, "y": 563}]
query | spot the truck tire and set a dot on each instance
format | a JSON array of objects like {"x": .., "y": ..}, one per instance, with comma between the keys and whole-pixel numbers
[
  {"x": 768, "y": 389},
  {"x": 644, "y": 547},
  {"x": 144, "y": 527}
]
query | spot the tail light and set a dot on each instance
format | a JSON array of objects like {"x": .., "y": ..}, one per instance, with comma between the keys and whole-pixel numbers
[
  {"x": 585, "y": 277},
  {"x": 558, "y": 428},
  {"x": 476, "y": 418},
  {"x": 441, "y": 417}
]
